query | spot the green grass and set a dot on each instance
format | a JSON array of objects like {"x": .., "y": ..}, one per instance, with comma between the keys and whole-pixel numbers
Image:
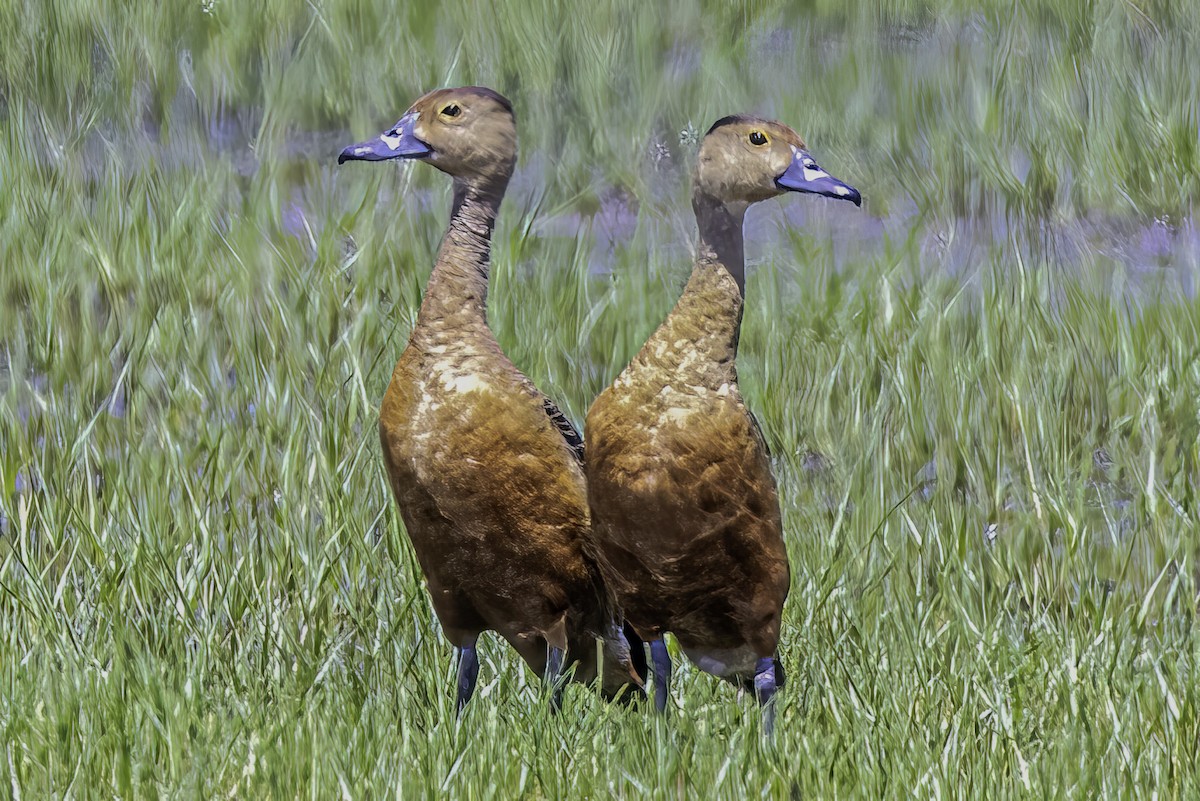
[{"x": 981, "y": 391}]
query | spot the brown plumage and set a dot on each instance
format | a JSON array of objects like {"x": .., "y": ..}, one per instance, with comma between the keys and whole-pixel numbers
[
  {"x": 485, "y": 469},
  {"x": 684, "y": 506}
]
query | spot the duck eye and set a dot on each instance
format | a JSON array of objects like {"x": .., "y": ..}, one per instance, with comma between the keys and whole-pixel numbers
[
  {"x": 451, "y": 110},
  {"x": 758, "y": 138}
]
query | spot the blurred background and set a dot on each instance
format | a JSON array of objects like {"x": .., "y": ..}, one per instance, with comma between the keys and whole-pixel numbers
[{"x": 981, "y": 389}]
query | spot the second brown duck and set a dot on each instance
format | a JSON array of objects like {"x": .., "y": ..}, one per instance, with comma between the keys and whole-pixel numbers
[{"x": 684, "y": 506}]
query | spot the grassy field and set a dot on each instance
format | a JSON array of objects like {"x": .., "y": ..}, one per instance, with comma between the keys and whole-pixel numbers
[{"x": 981, "y": 390}]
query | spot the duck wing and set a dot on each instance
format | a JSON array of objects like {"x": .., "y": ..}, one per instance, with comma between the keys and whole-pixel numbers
[
  {"x": 565, "y": 427},
  {"x": 756, "y": 428}
]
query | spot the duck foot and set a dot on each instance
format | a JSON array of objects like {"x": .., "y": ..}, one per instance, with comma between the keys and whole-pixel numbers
[{"x": 766, "y": 684}]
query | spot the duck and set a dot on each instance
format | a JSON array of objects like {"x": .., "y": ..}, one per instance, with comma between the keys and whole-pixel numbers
[
  {"x": 486, "y": 470},
  {"x": 685, "y": 508}
]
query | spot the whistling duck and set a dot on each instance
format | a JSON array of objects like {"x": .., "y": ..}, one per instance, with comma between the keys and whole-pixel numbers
[
  {"x": 486, "y": 470},
  {"x": 684, "y": 506}
]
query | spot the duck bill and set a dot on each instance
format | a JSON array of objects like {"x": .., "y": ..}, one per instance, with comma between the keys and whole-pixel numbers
[
  {"x": 398, "y": 143},
  {"x": 803, "y": 175}
]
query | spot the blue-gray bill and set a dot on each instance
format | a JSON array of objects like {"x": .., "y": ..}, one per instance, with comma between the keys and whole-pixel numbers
[
  {"x": 803, "y": 175},
  {"x": 398, "y": 143}
]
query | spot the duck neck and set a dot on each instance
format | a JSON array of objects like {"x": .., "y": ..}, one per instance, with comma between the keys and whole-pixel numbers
[
  {"x": 456, "y": 297},
  {"x": 721, "y": 244},
  {"x": 713, "y": 299}
]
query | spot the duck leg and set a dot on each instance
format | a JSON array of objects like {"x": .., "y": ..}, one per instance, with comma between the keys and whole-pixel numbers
[
  {"x": 637, "y": 654},
  {"x": 468, "y": 674},
  {"x": 554, "y": 676},
  {"x": 767, "y": 680},
  {"x": 662, "y": 673}
]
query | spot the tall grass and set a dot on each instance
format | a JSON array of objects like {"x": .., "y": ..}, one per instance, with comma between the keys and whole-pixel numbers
[{"x": 981, "y": 391}]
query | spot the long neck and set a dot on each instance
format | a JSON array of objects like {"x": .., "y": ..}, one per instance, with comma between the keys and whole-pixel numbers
[
  {"x": 709, "y": 313},
  {"x": 456, "y": 297},
  {"x": 721, "y": 243},
  {"x": 697, "y": 344}
]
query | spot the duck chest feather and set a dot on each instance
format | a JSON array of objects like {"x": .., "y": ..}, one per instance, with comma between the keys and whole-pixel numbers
[{"x": 469, "y": 431}]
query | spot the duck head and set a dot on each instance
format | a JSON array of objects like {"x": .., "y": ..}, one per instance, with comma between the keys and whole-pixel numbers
[
  {"x": 746, "y": 159},
  {"x": 468, "y": 133}
]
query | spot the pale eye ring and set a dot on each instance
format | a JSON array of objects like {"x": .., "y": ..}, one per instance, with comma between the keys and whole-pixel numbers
[
  {"x": 451, "y": 110},
  {"x": 758, "y": 138}
]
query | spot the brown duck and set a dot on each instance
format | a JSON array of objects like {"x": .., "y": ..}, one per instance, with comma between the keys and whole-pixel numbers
[
  {"x": 486, "y": 470},
  {"x": 684, "y": 506}
]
